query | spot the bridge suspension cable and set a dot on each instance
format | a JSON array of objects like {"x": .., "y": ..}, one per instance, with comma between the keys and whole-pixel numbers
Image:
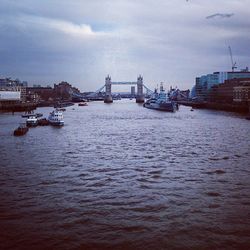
[
  {"x": 96, "y": 92},
  {"x": 149, "y": 91}
]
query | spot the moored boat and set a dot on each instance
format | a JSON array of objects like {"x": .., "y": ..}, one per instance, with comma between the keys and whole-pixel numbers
[
  {"x": 160, "y": 101},
  {"x": 43, "y": 122},
  {"x": 21, "y": 130},
  {"x": 56, "y": 118},
  {"x": 62, "y": 109},
  {"x": 63, "y": 104},
  {"x": 27, "y": 115},
  {"x": 82, "y": 104},
  {"x": 32, "y": 121}
]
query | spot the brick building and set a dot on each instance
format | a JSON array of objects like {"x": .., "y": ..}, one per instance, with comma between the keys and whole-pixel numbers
[{"x": 224, "y": 93}]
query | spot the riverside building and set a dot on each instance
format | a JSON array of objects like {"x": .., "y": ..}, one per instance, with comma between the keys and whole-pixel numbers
[
  {"x": 205, "y": 85},
  {"x": 9, "y": 85},
  {"x": 228, "y": 91},
  {"x": 9, "y": 98}
]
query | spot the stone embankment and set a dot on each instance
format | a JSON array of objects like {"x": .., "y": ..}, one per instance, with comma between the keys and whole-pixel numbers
[
  {"x": 239, "y": 108},
  {"x": 17, "y": 107}
]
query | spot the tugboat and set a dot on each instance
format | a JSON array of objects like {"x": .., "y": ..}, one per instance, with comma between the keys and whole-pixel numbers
[
  {"x": 32, "y": 121},
  {"x": 43, "y": 122},
  {"x": 56, "y": 118},
  {"x": 21, "y": 130},
  {"x": 160, "y": 101}
]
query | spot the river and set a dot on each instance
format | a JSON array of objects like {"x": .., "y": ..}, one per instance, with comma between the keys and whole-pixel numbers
[{"x": 119, "y": 176}]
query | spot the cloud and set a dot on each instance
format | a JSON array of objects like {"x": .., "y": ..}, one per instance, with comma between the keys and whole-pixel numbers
[
  {"x": 57, "y": 25},
  {"x": 83, "y": 41},
  {"x": 220, "y": 15}
]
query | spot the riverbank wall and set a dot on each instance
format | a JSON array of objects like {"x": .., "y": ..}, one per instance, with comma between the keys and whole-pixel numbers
[
  {"x": 17, "y": 107},
  {"x": 238, "y": 108}
]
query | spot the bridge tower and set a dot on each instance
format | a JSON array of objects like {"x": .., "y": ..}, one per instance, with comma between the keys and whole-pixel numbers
[
  {"x": 108, "y": 95},
  {"x": 140, "y": 96}
]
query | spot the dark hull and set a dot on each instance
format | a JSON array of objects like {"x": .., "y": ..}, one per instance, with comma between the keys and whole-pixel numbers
[
  {"x": 20, "y": 131},
  {"x": 162, "y": 107},
  {"x": 64, "y": 104},
  {"x": 31, "y": 124},
  {"x": 43, "y": 122}
]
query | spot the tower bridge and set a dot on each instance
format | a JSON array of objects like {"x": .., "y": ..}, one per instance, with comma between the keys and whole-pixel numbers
[{"x": 108, "y": 89}]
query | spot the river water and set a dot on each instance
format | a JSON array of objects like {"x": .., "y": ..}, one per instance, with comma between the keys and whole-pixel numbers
[{"x": 119, "y": 176}]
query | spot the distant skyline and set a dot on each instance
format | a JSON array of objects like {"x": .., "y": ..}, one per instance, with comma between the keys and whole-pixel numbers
[{"x": 49, "y": 41}]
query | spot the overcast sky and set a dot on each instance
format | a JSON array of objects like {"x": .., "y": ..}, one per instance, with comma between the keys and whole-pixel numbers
[{"x": 81, "y": 41}]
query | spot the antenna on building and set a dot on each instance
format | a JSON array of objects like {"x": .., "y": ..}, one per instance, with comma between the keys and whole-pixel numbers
[{"x": 231, "y": 56}]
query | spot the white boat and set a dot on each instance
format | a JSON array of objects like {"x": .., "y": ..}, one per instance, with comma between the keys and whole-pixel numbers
[
  {"x": 28, "y": 114},
  {"x": 82, "y": 104},
  {"x": 56, "y": 118},
  {"x": 160, "y": 101},
  {"x": 32, "y": 121}
]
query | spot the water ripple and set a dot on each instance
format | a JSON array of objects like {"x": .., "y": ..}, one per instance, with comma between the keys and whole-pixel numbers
[{"x": 123, "y": 177}]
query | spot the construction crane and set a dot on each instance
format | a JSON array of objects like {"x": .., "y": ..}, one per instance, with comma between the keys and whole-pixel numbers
[{"x": 231, "y": 56}]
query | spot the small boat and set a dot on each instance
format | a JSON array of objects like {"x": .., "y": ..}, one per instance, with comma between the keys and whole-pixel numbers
[
  {"x": 43, "y": 122},
  {"x": 32, "y": 121},
  {"x": 62, "y": 109},
  {"x": 160, "y": 101},
  {"x": 82, "y": 104},
  {"x": 63, "y": 104},
  {"x": 21, "y": 130},
  {"x": 56, "y": 118},
  {"x": 38, "y": 115},
  {"x": 191, "y": 109},
  {"x": 27, "y": 115}
]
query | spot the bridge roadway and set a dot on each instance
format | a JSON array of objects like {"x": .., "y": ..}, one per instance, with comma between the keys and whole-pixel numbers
[
  {"x": 123, "y": 83},
  {"x": 149, "y": 91}
]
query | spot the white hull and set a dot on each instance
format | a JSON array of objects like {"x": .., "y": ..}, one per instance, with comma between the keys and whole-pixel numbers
[
  {"x": 56, "y": 123},
  {"x": 56, "y": 118},
  {"x": 32, "y": 121}
]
